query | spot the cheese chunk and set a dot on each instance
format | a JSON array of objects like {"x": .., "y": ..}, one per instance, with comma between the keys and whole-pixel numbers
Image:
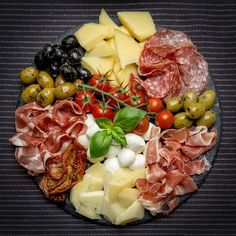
[
  {"x": 111, "y": 210},
  {"x": 133, "y": 213},
  {"x": 98, "y": 65},
  {"x": 86, "y": 211},
  {"x": 127, "y": 196},
  {"x": 95, "y": 183},
  {"x": 93, "y": 200},
  {"x": 112, "y": 79},
  {"x": 105, "y": 19},
  {"x": 91, "y": 34},
  {"x": 96, "y": 170},
  {"x": 139, "y": 24},
  {"x": 123, "y": 76},
  {"x": 124, "y": 30},
  {"x": 102, "y": 49},
  {"x": 128, "y": 49}
]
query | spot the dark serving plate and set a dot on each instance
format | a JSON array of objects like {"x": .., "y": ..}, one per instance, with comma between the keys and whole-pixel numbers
[{"x": 198, "y": 179}]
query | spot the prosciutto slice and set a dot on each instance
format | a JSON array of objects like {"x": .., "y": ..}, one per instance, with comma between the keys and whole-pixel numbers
[
  {"x": 172, "y": 158},
  {"x": 43, "y": 133}
]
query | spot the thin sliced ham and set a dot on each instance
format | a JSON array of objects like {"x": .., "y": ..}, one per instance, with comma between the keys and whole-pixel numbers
[
  {"x": 43, "y": 133},
  {"x": 172, "y": 157}
]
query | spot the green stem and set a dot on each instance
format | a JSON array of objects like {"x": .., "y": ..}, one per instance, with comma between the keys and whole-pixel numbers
[{"x": 85, "y": 86}]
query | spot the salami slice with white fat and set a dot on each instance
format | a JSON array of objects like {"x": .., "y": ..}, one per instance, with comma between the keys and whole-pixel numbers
[{"x": 170, "y": 65}]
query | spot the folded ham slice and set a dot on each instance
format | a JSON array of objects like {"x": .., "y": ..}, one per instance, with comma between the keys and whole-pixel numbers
[
  {"x": 43, "y": 133},
  {"x": 172, "y": 157}
]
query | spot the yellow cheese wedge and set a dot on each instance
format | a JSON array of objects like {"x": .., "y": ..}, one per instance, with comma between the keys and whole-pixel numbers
[
  {"x": 96, "y": 65},
  {"x": 128, "y": 49},
  {"x": 90, "y": 34},
  {"x": 123, "y": 76},
  {"x": 86, "y": 211},
  {"x": 96, "y": 170},
  {"x": 127, "y": 196},
  {"x": 132, "y": 213},
  {"x": 102, "y": 49},
  {"x": 105, "y": 19},
  {"x": 139, "y": 24},
  {"x": 124, "y": 30}
]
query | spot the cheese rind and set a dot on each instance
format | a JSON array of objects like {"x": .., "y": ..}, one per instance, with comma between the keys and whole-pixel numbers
[
  {"x": 90, "y": 34},
  {"x": 139, "y": 24},
  {"x": 128, "y": 49}
]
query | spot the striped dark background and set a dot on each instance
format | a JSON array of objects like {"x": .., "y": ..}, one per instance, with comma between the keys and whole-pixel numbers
[{"x": 25, "y": 26}]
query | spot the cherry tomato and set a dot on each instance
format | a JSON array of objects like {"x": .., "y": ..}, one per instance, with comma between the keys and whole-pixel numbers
[
  {"x": 142, "y": 127},
  {"x": 154, "y": 104},
  {"x": 165, "y": 119},
  {"x": 102, "y": 111},
  {"x": 85, "y": 100},
  {"x": 137, "y": 100},
  {"x": 100, "y": 82},
  {"x": 118, "y": 93}
]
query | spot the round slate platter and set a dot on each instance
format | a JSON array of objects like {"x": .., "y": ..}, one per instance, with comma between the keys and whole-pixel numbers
[{"x": 198, "y": 179}]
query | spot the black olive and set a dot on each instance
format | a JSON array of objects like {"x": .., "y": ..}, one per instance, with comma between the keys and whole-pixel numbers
[
  {"x": 41, "y": 61},
  {"x": 68, "y": 72},
  {"x": 83, "y": 73},
  {"x": 57, "y": 53},
  {"x": 74, "y": 56},
  {"x": 49, "y": 50},
  {"x": 54, "y": 69},
  {"x": 69, "y": 42}
]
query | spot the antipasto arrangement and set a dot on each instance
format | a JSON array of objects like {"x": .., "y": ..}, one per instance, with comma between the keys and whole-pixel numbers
[{"x": 117, "y": 118}]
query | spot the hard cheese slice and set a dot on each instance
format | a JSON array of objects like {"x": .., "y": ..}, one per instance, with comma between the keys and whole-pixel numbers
[
  {"x": 91, "y": 34},
  {"x": 128, "y": 49},
  {"x": 97, "y": 65},
  {"x": 102, "y": 49},
  {"x": 139, "y": 23},
  {"x": 105, "y": 19}
]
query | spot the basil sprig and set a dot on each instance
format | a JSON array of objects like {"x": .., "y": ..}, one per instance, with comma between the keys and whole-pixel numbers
[{"x": 126, "y": 120}]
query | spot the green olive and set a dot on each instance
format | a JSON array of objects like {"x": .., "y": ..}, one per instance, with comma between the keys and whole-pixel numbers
[
  {"x": 208, "y": 119},
  {"x": 174, "y": 104},
  {"x": 181, "y": 120},
  {"x": 28, "y": 75},
  {"x": 46, "y": 97},
  {"x": 195, "y": 110},
  {"x": 64, "y": 91},
  {"x": 189, "y": 97},
  {"x": 30, "y": 93},
  {"x": 207, "y": 98},
  {"x": 77, "y": 84},
  {"x": 59, "y": 80},
  {"x": 45, "y": 80}
]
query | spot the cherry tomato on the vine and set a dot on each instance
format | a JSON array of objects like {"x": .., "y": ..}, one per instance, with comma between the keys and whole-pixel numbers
[
  {"x": 100, "y": 110},
  {"x": 165, "y": 119},
  {"x": 154, "y": 104},
  {"x": 142, "y": 127},
  {"x": 85, "y": 99},
  {"x": 119, "y": 93},
  {"x": 137, "y": 100},
  {"x": 100, "y": 82}
]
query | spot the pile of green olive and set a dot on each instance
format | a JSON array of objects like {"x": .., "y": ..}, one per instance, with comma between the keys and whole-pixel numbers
[
  {"x": 41, "y": 87},
  {"x": 191, "y": 109}
]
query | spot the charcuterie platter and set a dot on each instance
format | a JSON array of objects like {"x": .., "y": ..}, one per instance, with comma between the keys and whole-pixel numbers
[{"x": 119, "y": 124}]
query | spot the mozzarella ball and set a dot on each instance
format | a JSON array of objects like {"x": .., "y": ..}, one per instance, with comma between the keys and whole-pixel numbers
[
  {"x": 139, "y": 162},
  {"x": 83, "y": 140},
  {"x": 135, "y": 142},
  {"x": 94, "y": 160},
  {"x": 112, "y": 164},
  {"x": 126, "y": 157},
  {"x": 92, "y": 130},
  {"x": 113, "y": 151},
  {"x": 90, "y": 120}
]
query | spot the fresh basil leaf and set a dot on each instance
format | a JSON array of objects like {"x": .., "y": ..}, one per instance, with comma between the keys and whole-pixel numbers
[
  {"x": 118, "y": 135},
  {"x": 128, "y": 118},
  {"x": 100, "y": 144},
  {"x": 104, "y": 123}
]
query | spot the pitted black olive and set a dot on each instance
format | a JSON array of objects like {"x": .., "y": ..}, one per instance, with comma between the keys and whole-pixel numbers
[
  {"x": 69, "y": 42},
  {"x": 68, "y": 72},
  {"x": 57, "y": 53},
  {"x": 49, "y": 50},
  {"x": 41, "y": 61},
  {"x": 74, "y": 56},
  {"x": 83, "y": 73},
  {"x": 54, "y": 69}
]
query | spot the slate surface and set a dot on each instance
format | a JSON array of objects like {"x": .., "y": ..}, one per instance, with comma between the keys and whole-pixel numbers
[{"x": 25, "y": 26}]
